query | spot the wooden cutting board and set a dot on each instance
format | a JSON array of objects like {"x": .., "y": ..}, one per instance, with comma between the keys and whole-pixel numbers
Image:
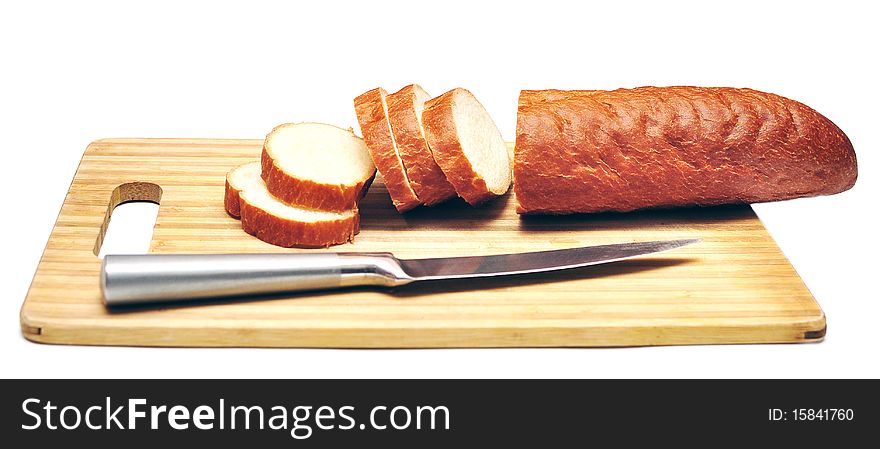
[{"x": 734, "y": 287}]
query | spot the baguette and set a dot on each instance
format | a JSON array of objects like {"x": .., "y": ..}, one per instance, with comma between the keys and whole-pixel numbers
[
  {"x": 628, "y": 149},
  {"x": 372, "y": 114},
  {"x": 316, "y": 166},
  {"x": 277, "y": 223},
  {"x": 467, "y": 146},
  {"x": 405, "y": 116}
]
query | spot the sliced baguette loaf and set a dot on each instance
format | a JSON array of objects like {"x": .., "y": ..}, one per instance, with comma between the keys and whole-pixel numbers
[
  {"x": 316, "y": 166},
  {"x": 372, "y": 115},
  {"x": 272, "y": 221},
  {"x": 628, "y": 149},
  {"x": 425, "y": 176},
  {"x": 467, "y": 146}
]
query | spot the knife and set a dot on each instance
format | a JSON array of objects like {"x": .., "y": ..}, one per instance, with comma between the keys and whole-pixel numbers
[{"x": 159, "y": 278}]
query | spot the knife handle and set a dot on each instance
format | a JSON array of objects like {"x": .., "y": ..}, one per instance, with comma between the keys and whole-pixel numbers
[{"x": 157, "y": 278}]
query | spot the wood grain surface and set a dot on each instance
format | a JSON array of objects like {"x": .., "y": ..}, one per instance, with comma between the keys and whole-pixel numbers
[{"x": 734, "y": 287}]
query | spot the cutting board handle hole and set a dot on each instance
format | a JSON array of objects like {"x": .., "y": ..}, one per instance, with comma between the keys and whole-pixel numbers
[{"x": 134, "y": 207}]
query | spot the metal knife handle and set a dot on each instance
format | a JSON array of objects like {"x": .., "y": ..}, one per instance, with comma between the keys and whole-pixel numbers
[{"x": 156, "y": 278}]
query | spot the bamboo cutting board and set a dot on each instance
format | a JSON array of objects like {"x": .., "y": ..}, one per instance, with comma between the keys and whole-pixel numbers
[{"x": 734, "y": 287}]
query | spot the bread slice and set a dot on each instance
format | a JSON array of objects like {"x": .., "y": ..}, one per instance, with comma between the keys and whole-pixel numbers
[
  {"x": 467, "y": 146},
  {"x": 316, "y": 166},
  {"x": 425, "y": 176},
  {"x": 372, "y": 115},
  {"x": 272, "y": 221}
]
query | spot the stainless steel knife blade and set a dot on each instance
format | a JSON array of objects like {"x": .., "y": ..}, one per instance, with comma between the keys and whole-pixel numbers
[
  {"x": 533, "y": 262},
  {"x": 161, "y": 278}
]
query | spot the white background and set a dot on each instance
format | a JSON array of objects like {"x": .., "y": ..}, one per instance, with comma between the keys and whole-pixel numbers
[{"x": 73, "y": 72}]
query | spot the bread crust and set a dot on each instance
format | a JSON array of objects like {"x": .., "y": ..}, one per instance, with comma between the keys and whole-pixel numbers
[
  {"x": 442, "y": 137},
  {"x": 290, "y": 233},
  {"x": 376, "y": 130},
  {"x": 425, "y": 176},
  {"x": 307, "y": 193},
  {"x": 627, "y": 149},
  {"x": 231, "y": 201}
]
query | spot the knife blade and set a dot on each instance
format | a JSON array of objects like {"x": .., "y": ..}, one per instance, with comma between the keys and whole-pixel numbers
[
  {"x": 161, "y": 278},
  {"x": 533, "y": 262}
]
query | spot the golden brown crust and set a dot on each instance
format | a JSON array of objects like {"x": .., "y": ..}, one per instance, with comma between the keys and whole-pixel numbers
[
  {"x": 309, "y": 194},
  {"x": 425, "y": 176},
  {"x": 290, "y": 233},
  {"x": 592, "y": 151},
  {"x": 442, "y": 137},
  {"x": 230, "y": 200},
  {"x": 373, "y": 120}
]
